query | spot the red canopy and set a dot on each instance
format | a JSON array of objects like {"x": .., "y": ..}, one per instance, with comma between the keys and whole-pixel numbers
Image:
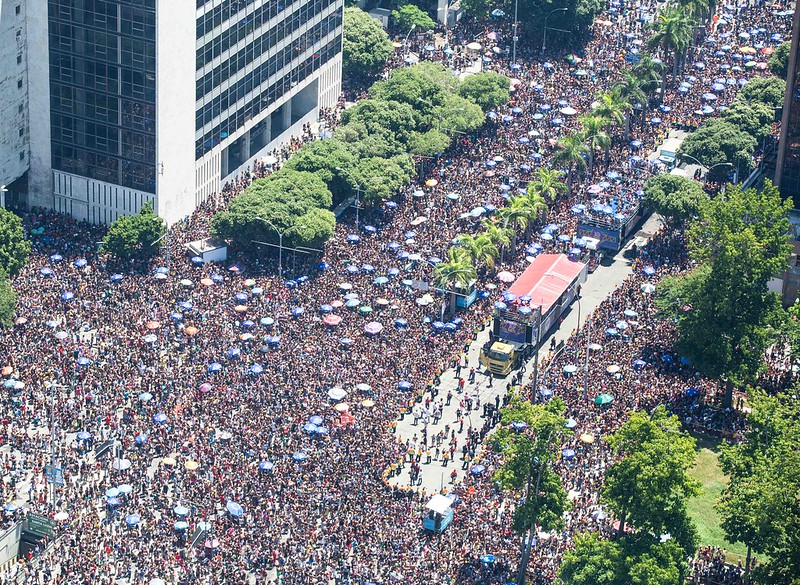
[{"x": 546, "y": 279}]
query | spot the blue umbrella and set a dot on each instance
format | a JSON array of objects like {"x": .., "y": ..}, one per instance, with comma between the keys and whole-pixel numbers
[
  {"x": 266, "y": 466},
  {"x": 180, "y": 525},
  {"x": 546, "y": 237},
  {"x": 234, "y": 352},
  {"x": 267, "y": 321},
  {"x": 487, "y": 559},
  {"x": 636, "y": 143},
  {"x": 477, "y": 469},
  {"x": 145, "y": 397},
  {"x": 84, "y": 361},
  {"x": 297, "y": 311},
  {"x": 484, "y": 294},
  {"x": 434, "y": 260},
  {"x": 326, "y": 308},
  {"x": 214, "y": 367},
  {"x": 67, "y": 296},
  {"x": 437, "y": 325},
  {"x": 545, "y": 392},
  {"x": 274, "y": 340},
  {"x": 639, "y": 363},
  {"x": 508, "y": 296},
  {"x": 649, "y": 270},
  {"x": 162, "y": 270},
  {"x": 404, "y": 385},
  {"x": 186, "y": 305},
  {"x": 450, "y": 327},
  {"x": 500, "y": 306},
  {"x": 381, "y": 280},
  {"x": 132, "y": 519},
  {"x": 666, "y": 358},
  {"x": 56, "y": 258},
  {"x": 368, "y": 268},
  {"x": 352, "y": 269},
  {"x": 197, "y": 260},
  {"x": 290, "y": 284},
  {"x": 141, "y": 439},
  {"x": 519, "y": 425},
  {"x": 316, "y": 420},
  {"x": 400, "y": 322},
  {"x": 692, "y": 392},
  {"x": 393, "y": 246},
  {"x": 353, "y": 238},
  {"x": 112, "y": 502},
  {"x": 84, "y": 436},
  {"x": 571, "y": 423},
  {"x": 217, "y": 277},
  {"x": 112, "y": 492},
  {"x": 370, "y": 229},
  {"x": 322, "y": 266},
  {"x": 160, "y": 418},
  {"x": 234, "y": 509},
  {"x": 256, "y": 369},
  {"x": 612, "y": 332},
  {"x": 176, "y": 316},
  {"x": 116, "y": 278},
  {"x": 299, "y": 457},
  {"x": 564, "y": 238},
  {"x": 491, "y": 115},
  {"x": 247, "y": 323},
  {"x": 310, "y": 428},
  {"x": 46, "y": 271},
  {"x": 568, "y": 453},
  {"x": 240, "y": 296}
]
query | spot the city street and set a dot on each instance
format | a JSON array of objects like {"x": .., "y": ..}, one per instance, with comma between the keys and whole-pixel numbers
[{"x": 435, "y": 475}]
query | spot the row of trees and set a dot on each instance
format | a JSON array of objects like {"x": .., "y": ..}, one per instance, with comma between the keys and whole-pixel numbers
[{"x": 480, "y": 252}]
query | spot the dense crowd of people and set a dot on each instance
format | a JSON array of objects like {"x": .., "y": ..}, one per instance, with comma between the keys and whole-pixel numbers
[{"x": 239, "y": 458}]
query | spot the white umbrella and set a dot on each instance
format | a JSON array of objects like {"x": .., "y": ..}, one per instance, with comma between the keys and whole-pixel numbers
[
  {"x": 474, "y": 46},
  {"x": 337, "y": 393}
]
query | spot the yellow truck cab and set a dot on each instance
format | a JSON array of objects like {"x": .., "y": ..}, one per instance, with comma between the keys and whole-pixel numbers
[{"x": 499, "y": 357}]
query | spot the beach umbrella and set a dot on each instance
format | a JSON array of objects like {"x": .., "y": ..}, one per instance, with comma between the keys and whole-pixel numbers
[
  {"x": 145, "y": 397},
  {"x": 570, "y": 369},
  {"x": 84, "y": 361},
  {"x": 299, "y": 457},
  {"x": 266, "y": 466},
  {"x": 256, "y": 369},
  {"x": 400, "y": 322},
  {"x": 604, "y": 399},
  {"x": 150, "y": 338},
  {"x": 160, "y": 418},
  {"x": 121, "y": 464},
  {"x": 337, "y": 393},
  {"x": 332, "y": 320},
  {"x": 639, "y": 363},
  {"x": 568, "y": 453},
  {"x": 613, "y": 369},
  {"x": 404, "y": 385},
  {"x": 84, "y": 436},
  {"x": 180, "y": 525},
  {"x": 67, "y": 296},
  {"x": 234, "y": 509},
  {"x": 630, "y": 313},
  {"x": 133, "y": 520},
  {"x": 373, "y": 328},
  {"x": 477, "y": 469},
  {"x": 140, "y": 439},
  {"x": 214, "y": 367},
  {"x": 648, "y": 288},
  {"x": 571, "y": 423}
]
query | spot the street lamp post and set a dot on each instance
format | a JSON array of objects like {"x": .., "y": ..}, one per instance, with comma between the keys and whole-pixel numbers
[
  {"x": 405, "y": 41},
  {"x": 515, "y": 37},
  {"x": 166, "y": 245},
  {"x": 544, "y": 35},
  {"x": 280, "y": 240},
  {"x": 708, "y": 169}
]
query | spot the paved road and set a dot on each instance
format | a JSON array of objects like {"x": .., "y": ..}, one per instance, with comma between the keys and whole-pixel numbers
[{"x": 436, "y": 475}]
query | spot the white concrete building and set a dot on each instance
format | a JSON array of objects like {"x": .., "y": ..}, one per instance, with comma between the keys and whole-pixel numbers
[{"x": 162, "y": 100}]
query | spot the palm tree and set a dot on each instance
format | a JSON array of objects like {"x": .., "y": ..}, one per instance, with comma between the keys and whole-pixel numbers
[
  {"x": 594, "y": 136},
  {"x": 699, "y": 8},
  {"x": 630, "y": 91},
  {"x": 612, "y": 106},
  {"x": 500, "y": 236},
  {"x": 520, "y": 213},
  {"x": 648, "y": 70},
  {"x": 569, "y": 153},
  {"x": 479, "y": 250},
  {"x": 547, "y": 184},
  {"x": 672, "y": 33},
  {"x": 457, "y": 271}
]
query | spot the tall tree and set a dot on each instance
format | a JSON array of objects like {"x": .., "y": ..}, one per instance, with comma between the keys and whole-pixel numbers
[
  {"x": 365, "y": 45},
  {"x": 456, "y": 272},
  {"x": 527, "y": 456},
  {"x": 650, "y": 485},
  {"x": 676, "y": 199},
  {"x": 546, "y": 184},
  {"x": 135, "y": 235},
  {"x": 726, "y": 312},
  {"x": 14, "y": 248},
  {"x": 595, "y": 137},
  {"x": 672, "y": 34},
  {"x": 759, "y": 507},
  {"x": 611, "y": 106},
  {"x": 569, "y": 153},
  {"x": 479, "y": 250},
  {"x": 8, "y": 301},
  {"x": 630, "y": 91}
]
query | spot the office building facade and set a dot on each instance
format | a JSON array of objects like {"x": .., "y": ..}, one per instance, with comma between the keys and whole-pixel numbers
[{"x": 165, "y": 100}]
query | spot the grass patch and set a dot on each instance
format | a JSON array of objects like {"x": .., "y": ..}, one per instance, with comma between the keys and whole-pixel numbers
[{"x": 701, "y": 508}]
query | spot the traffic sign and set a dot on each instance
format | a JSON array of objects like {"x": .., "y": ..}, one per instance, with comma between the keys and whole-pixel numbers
[{"x": 41, "y": 525}]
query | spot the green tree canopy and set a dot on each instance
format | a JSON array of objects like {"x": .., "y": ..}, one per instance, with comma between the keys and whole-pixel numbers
[
  {"x": 676, "y": 199},
  {"x": 14, "y": 248},
  {"x": 717, "y": 142},
  {"x": 380, "y": 178},
  {"x": 410, "y": 15},
  {"x": 650, "y": 484},
  {"x": 324, "y": 158},
  {"x": 282, "y": 202},
  {"x": 759, "y": 506},
  {"x": 766, "y": 90},
  {"x": 724, "y": 310},
  {"x": 135, "y": 235},
  {"x": 487, "y": 89},
  {"x": 8, "y": 301},
  {"x": 779, "y": 60},
  {"x": 365, "y": 45},
  {"x": 390, "y": 120},
  {"x": 430, "y": 143},
  {"x": 754, "y": 118}
]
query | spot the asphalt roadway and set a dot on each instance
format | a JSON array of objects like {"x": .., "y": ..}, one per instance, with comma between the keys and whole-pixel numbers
[{"x": 437, "y": 475}]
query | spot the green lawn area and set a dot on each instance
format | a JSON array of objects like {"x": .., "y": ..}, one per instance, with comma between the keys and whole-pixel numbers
[{"x": 701, "y": 509}]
